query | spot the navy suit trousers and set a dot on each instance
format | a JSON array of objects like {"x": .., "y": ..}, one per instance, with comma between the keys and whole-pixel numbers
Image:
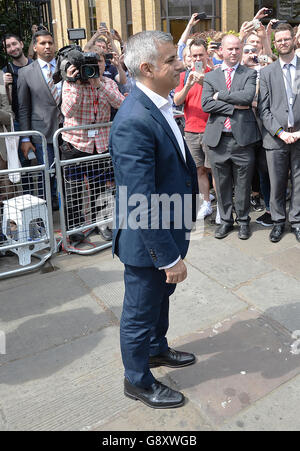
[{"x": 144, "y": 322}]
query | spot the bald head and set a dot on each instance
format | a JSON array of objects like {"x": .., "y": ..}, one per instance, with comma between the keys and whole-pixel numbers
[{"x": 231, "y": 50}]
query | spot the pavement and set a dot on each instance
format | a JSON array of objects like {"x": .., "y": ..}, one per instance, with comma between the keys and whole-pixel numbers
[{"x": 238, "y": 311}]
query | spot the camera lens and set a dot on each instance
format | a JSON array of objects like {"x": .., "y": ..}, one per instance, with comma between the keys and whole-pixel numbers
[{"x": 88, "y": 71}]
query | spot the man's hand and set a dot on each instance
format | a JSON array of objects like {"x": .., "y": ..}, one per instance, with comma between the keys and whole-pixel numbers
[
  {"x": 116, "y": 60},
  {"x": 296, "y": 135},
  {"x": 246, "y": 29},
  {"x": 26, "y": 147},
  {"x": 177, "y": 273},
  {"x": 194, "y": 77},
  {"x": 289, "y": 138},
  {"x": 8, "y": 79},
  {"x": 72, "y": 72},
  {"x": 193, "y": 21},
  {"x": 261, "y": 13},
  {"x": 269, "y": 27}
]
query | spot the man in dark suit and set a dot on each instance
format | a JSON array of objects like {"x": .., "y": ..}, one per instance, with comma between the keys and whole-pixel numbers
[
  {"x": 279, "y": 109},
  {"x": 230, "y": 134},
  {"x": 150, "y": 160},
  {"x": 39, "y": 100}
]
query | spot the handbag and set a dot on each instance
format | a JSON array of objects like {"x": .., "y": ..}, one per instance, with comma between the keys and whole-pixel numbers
[{"x": 12, "y": 145}]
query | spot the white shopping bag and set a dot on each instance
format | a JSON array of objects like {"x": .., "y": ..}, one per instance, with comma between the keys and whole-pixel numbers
[{"x": 13, "y": 162}]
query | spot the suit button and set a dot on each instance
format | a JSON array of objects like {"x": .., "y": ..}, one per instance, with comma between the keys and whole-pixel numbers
[{"x": 188, "y": 184}]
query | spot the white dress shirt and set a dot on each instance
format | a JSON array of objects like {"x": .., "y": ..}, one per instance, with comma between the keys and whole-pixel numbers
[
  {"x": 165, "y": 107},
  {"x": 293, "y": 69},
  {"x": 44, "y": 69},
  {"x": 224, "y": 68}
]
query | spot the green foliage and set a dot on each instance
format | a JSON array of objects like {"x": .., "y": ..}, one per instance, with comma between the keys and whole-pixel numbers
[{"x": 17, "y": 21}]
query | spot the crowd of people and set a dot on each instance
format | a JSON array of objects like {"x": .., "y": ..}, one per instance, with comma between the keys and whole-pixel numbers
[{"x": 231, "y": 86}]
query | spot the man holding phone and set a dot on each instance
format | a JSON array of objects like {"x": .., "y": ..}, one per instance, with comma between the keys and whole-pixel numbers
[{"x": 189, "y": 93}]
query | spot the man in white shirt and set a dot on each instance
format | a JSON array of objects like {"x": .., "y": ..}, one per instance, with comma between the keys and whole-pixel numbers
[
  {"x": 151, "y": 160},
  {"x": 39, "y": 101},
  {"x": 279, "y": 109}
]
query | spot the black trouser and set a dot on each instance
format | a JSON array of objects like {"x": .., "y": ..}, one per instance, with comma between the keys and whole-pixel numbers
[{"x": 232, "y": 166}]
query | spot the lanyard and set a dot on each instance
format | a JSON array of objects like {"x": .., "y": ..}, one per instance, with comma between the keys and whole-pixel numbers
[{"x": 95, "y": 102}]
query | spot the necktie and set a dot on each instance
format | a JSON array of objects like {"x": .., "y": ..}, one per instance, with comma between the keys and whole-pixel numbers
[
  {"x": 227, "y": 123},
  {"x": 290, "y": 94},
  {"x": 52, "y": 87}
]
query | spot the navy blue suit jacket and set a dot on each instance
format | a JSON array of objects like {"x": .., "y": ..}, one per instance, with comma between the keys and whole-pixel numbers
[{"x": 147, "y": 160}]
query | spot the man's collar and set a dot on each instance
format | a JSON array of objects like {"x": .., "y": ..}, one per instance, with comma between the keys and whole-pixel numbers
[
  {"x": 43, "y": 63},
  {"x": 157, "y": 99},
  {"x": 225, "y": 67},
  {"x": 293, "y": 62}
]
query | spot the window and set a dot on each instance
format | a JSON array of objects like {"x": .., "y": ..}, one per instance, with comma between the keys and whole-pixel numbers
[
  {"x": 175, "y": 15},
  {"x": 282, "y": 9},
  {"x": 93, "y": 16},
  {"x": 129, "y": 18}
]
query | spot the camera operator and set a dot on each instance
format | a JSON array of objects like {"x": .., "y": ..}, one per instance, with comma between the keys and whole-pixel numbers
[{"x": 86, "y": 103}]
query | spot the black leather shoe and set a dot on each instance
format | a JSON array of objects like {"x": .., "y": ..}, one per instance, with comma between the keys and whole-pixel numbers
[
  {"x": 158, "y": 395},
  {"x": 77, "y": 237},
  {"x": 172, "y": 359},
  {"x": 276, "y": 233},
  {"x": 223, "y": 230},
  {"x": 244, "y": 232},
  {"x": 296, "y": 231}
]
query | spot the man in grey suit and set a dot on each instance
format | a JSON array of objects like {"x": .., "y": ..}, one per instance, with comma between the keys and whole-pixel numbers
[
  {"x": 39, "y": 101},
  {"x": 279, "y": 109},
  {"x": 230, "y": 134}
]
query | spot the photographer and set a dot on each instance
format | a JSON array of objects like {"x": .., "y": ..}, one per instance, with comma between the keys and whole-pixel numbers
[{"x": 86, "y": 103}]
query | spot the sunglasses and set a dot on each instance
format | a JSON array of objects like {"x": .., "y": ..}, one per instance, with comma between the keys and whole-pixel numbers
[{"x": 250, "y": 50}]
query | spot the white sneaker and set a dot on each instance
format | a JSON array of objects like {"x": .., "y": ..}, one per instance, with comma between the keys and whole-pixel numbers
[
  {"x": 211, "y": 197},
  {"x": 205, "y": 210},
  {"x": 218, "y": 217}
]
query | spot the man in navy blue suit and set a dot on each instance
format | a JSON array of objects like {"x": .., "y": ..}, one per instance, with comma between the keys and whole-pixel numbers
[{"x": 156, "y": 204}]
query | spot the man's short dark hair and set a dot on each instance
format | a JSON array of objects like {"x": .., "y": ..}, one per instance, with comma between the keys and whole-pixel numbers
[
  {"x": 41, "y": 33},
  {"x": 11, "y": 35},
  {"x": 285, "y": 27},
  {"x": 198, "y": 42}
]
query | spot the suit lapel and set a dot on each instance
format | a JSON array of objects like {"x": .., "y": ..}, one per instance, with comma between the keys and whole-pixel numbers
[
  {"x": 158, "y": 116},
  {"x": 297, "y": 81},
  {"x": 279, "y": 82},
  {"x": 42, "y": 80},
  {"x": 235, "y": 80},
  {"x": 221, "y": 79}
]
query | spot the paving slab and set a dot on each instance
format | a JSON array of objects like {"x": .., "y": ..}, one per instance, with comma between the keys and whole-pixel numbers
[
  {"x": 192, "y": 306},
  {"x": 199, "y": 302},
  {"x": 286, "y": 261},
  {"x": 239, "y": 361},
  {"x": 47, "y": 313},
  {"x": 106, "y": 281},
  {"x": 277, "y": 412},
  {"x": 141, "y": 418},
  {"x": 224, "y": 263},
  {"x": 259, "y": 245},
  {"x": 71, "y": 387},
  {"x": 277, "y": 294}
]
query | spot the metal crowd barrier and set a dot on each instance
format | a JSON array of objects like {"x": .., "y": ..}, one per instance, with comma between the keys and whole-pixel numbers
[
  {"x": 26, "y": 222},
  {"x": 85, "y": 191}
]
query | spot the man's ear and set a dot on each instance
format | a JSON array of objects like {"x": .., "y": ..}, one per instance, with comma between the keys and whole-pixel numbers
[{"x": 146, "y": 70}]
